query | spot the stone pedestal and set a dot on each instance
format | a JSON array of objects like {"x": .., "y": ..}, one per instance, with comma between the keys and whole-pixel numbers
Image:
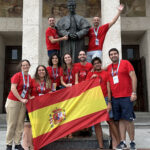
[
  {"x": 78, "y": 143},
  {"x": 113, "y": 37},
  {"x": 32, "y": 32}
]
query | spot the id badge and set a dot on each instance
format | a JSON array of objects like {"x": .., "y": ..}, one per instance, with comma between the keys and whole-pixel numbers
[
  {"x": 96, "y": 41},
  {"x": 115, "y": 79},
  {"x": 23, "y": 94},
  {"x": 70, "y": 84},
  {"x": 54, "y": 86}
]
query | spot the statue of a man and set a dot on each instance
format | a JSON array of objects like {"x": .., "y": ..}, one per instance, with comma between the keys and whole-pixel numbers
[{"x": 76, "y": 27}]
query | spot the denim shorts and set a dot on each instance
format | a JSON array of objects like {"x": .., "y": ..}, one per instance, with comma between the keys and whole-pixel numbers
[
  {"x": 110, "y": 112},
  {"x": 123, "y": 109}
]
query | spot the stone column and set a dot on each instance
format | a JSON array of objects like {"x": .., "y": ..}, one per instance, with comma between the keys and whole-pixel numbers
[
  {"x": 113, "y": 37},
  {"x": 147, "y": 8},
  {"x": 32, "y": 32}
]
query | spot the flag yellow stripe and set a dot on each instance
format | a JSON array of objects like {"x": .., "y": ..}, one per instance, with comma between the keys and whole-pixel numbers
[{"x": 92, "y": 98}]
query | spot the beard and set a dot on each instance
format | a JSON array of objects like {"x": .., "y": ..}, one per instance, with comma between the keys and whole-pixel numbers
[{"x": 83, "y": 59}]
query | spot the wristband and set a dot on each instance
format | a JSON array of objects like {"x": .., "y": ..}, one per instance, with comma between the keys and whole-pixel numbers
[
  {"x": 133, "y": 93},
  {"x": 109, "y": 101}
]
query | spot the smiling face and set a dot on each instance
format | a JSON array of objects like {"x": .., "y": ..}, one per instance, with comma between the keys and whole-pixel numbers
[
  {"x": 96, "y": 22},
  {"x": 67, "y": 59},
  {"x": 55, "y": 60},
  {"x": 41, "y": 72},
  {"x": 82, "y": 56},
  {"x": 51, "y": 22},
  {"x": 97, "y": 65},
  {"x": 25, "y": 66},
  {"x": 114, "y": 56}
]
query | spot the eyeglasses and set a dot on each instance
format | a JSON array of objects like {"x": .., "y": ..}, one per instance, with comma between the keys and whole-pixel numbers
[{"x": 25, "y": 65}]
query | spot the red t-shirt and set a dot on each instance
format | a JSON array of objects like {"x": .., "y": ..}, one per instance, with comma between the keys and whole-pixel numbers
[
  {"x": 104, "y": 78},
  {"x": 69, "y": 76},
  {"x": 18, "y": 79},
  {"x": 54, "y": 76},
  {"x": 101, "y": 37},
  {"x": 83, "y": 70},
  {"x": 124, "y": 87},
  {"x": 37, "y": 89},
  {"x": 51, "y": 32}
]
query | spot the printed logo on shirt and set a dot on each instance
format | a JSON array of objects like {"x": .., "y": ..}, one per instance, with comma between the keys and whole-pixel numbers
[{"x": 83, "y": 73}]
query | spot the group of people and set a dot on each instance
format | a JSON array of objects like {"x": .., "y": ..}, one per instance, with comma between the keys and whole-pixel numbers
[{"x": 118, "y": 82}]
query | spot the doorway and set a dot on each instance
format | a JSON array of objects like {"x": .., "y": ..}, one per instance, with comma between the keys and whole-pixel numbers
[
  {"x": 131, "y": 53},
  {"x": 13, "y": 55}
]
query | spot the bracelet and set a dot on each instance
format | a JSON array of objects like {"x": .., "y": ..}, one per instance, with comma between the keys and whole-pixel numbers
[{"x": 133, "y": 93}]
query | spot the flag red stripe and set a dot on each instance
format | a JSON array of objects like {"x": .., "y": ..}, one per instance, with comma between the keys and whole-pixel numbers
[
  {"x": 65, "y": 129},
  {"x": 61, "y": 95}
]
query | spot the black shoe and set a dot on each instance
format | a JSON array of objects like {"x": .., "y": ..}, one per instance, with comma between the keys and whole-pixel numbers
[
  {"x": 9, "y": 147},
  {"x": 121, "y": 146},
  {"x": 18, "y": 147},
  {"x": 132, "y": 146}
]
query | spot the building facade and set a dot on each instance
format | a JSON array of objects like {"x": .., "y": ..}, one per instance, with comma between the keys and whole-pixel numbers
[{"x": 22, "y": 35}]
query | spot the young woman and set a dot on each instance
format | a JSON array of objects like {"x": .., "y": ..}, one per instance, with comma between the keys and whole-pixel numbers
[
  {"x": 68, "y": 74},
  {"x": 40, "y": 85},
  {"x": 15, "y": 105},
  {"x": 54, "y": 71}
]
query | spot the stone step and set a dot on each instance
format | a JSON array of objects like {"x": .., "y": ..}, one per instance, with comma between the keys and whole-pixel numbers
[{"x": 76, "y": 144}]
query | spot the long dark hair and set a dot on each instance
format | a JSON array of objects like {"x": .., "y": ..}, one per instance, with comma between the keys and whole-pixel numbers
[
  {"x": 64, "y": 65},
  {"x": 46, "y": 78},
  {"x": 50, "y": 63}
]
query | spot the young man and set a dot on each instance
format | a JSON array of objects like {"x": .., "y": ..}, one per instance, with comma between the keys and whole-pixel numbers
[
  {"x": 97, "y": 35},
  {"x": 52, "y": 39},
  {"x": 83, "y": 67},
  {"x": 123, "y": 84},
  {"x": 97, "y": 72}
]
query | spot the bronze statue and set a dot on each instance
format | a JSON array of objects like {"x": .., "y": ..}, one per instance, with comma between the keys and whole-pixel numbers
[{"x": 76, "y": 27}]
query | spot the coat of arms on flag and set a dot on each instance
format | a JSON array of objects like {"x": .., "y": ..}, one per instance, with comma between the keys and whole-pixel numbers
[{"x": 57, "y": 116}]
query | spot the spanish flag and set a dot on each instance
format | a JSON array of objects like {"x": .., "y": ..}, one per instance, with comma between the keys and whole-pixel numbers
[{"x": 55, "y": 115}]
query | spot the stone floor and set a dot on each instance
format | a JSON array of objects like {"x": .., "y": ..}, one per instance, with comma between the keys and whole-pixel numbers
[{"x": 142, "y": 138}]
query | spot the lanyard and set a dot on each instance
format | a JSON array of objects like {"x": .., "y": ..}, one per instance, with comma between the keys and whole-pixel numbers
[
  {"x": 69, "y": 75},
  {"x": 112, "y": 72},
  {"x": 54, "y": 74},
  {"x": 96, "y": 32},
  {"x": 24, "y": 83},
  {"x": 42, "y": 86}
]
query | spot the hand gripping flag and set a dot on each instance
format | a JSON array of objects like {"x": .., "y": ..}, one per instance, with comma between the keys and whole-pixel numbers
[{"x": 55, "y": 115}]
